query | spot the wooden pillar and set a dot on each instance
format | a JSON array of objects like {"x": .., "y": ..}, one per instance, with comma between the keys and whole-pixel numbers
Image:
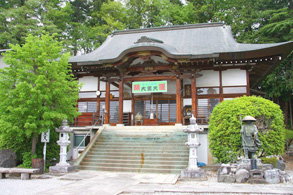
[
  {"x": 248, "y": 84},
  {"x": 178, "y": 100},
  {"x": 193, "y": 92},
  {"x": 98, "y": 98},
  {"x": 221, "y": 86},
  {"x": 107, "y": 102},
  {"x": 121, "y": 83}
]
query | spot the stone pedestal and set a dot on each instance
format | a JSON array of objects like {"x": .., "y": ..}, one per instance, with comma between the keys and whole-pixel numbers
[
  {"x": 61, "y": 169},
  {"x": 193, "y": 173},
  {"x": 246, "y": 164},
  {"x": 256, "y": 176}
]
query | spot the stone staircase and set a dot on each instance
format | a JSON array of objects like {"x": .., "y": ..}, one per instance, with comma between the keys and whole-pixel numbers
[{"x": 138, "y": 149}]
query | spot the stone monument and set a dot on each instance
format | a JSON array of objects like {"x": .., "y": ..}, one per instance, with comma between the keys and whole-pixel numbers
[
  {"x": 193, "y": 171},
  {"x": 249, "y": 136},
  {"x": 250, "y": 169},
  {"x": 63, "y": 142}
]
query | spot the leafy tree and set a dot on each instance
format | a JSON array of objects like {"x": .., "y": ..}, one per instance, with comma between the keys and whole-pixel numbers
[
  {"x": 224, "y": 127},
  {"x": 279, "y": 87},
  {"x": 20, "y": 18},
  {"x": 37, "y": 92}
]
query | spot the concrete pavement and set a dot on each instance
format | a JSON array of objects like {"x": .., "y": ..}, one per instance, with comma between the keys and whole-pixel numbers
[
  {"x": 112, "y": 183},
  {"x": 104, "y": 183}
]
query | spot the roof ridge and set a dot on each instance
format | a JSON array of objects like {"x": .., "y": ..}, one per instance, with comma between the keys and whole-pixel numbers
[{"x": 166, "y": 28}]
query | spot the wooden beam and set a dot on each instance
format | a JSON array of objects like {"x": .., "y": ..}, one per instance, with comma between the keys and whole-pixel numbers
[
  {"x": 221, "y": 86},
  {"x": 178, "y": 100},
  {"x": 151, "y": 78},
  {"x": 128, "y": 85},
  {"x": 193, "y": 95},
  {"x": 107, "y": 103},
  {"x": 115, "y": 84},
  {"x": 154, "y": 68},
  {"x": 121, "y": 83}
]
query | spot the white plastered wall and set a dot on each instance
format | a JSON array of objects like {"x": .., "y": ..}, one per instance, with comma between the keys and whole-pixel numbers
[
  {"x": 103, "y": 86},
  {"x": 127, "y": 106},
  {"x": 89, "y": 83},
  {"x": 234, "y": 77},
  {"x": 171, "y": 87},
  {"x": 127, "y": 89},
  {"x": 202, "y": 150},
  {"x": 209, "y": 78}
]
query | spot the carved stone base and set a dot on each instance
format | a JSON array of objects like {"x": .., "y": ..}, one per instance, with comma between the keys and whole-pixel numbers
[
  {"x": 61, "y": 169},
  {"x": 257, "y": 177},
  {"x": 226, "y": 178},
  {"x": 193, "y": 173}
]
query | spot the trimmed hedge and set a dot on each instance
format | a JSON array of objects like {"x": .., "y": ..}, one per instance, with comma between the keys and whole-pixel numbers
[{"x": 224, "y": 127}]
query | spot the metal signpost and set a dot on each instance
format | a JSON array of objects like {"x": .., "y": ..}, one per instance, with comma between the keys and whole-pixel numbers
[{"x": 45, "y": 139}]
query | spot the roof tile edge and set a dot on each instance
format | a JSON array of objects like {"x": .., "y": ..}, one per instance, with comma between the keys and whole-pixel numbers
[{"x": 166, "y": 28}]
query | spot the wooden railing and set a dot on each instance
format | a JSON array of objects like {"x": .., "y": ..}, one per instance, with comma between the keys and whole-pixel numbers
[{"x": 88, "y": 119}]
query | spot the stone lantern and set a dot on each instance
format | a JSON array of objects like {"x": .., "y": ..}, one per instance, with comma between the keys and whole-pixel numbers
[
  {"x": 63, "y": 142},
  {"x": 193, "y": 171}
]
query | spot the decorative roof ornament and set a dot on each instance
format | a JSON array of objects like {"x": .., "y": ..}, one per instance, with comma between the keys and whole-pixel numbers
[{"x": 145, "y": 39}]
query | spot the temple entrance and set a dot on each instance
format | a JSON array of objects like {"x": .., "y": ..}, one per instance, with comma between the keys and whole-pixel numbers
[{"x": 164, "y": 111}]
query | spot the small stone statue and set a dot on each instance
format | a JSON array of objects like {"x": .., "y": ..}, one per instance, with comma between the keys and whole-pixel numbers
[{"x": 249, "y": 135}]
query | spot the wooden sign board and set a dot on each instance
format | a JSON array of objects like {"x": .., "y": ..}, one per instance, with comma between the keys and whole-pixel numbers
[{"x": 149, "y": 87}]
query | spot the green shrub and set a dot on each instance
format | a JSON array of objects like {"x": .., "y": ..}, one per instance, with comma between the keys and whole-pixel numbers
[
  {"x": 225, "y": 126},
  {"x": 27, "y": 160},
  {"x": 273, "y": 161},
  {"x": 289, "y": 134}
]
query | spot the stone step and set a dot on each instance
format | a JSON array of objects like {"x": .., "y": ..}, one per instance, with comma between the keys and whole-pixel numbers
[
  {"x": 126, "y": 169},
  {"x": 140, "y": 150},
  {"x": 183, "y": 162},
  {"x": 146, "y": 154},
  {"x": 138, "y": 157},
  {"x": 135, "y": 166},
  {"x": 158, "y": 143},
  {"x": 141, "y": 146},
  {"x": 144, "y": 140}
]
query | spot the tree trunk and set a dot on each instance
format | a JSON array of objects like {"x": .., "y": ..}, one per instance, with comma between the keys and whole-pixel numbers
[
  {"x": 290, "y": 107},
  {"x": 34, "y": 143},
  {"x": 286, "y": 114}
]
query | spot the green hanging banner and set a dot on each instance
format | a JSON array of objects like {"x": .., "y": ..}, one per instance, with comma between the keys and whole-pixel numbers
[{"x": 149, "y": 87}]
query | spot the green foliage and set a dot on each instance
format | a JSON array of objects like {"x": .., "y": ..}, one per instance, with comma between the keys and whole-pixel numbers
[
  {"x": 273, "y": 161},
  {"x": 224, "y": 127},
  {"x": 84, "y": 25},
  {"x": 37, "y": 92},
  {"x": 27, "y": 160},
  {"x": 289, "y": 138},
  {"x": 289, "y": 134}
]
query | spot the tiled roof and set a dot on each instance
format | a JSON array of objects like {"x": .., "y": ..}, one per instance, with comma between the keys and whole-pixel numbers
[{"x": 186, "y": 41}]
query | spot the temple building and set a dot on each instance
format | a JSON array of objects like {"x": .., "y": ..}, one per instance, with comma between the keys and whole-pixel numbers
[
  {"x": 166, "y": 74},
  {"x": 141, "y": 86}
]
